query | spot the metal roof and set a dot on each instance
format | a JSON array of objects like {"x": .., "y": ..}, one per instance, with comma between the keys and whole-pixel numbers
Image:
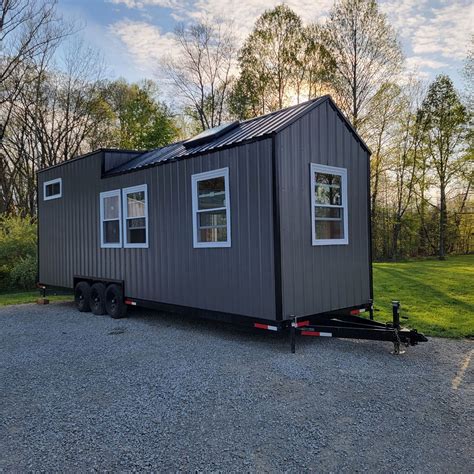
[{"x": 245, "y": 130}]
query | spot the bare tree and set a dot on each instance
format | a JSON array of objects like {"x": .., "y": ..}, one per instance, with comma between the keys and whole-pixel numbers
[
  {"x": 365, "y": 51},
  {"x": 201, "y": 70}
]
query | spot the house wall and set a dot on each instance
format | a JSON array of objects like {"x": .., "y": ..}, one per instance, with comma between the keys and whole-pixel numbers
[
  {"x": 239, "y": 279},
  {"x": 321, "y": 278}
]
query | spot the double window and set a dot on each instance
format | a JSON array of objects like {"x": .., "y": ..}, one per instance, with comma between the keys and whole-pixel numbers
[
  {"x": 329, "y": 205},
  {"x": 211, "y": 209},
  {"x": 52, "y": 189},
  {"x": 131, "y": 204}
]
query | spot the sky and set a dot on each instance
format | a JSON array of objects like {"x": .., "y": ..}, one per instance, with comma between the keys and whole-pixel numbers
[{"x": 134, "y": 34}]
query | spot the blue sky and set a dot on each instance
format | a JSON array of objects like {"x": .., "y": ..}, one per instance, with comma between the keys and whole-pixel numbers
[{"x": 134, "y": 34}]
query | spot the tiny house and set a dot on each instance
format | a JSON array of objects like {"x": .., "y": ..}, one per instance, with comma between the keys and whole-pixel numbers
[{"x": 257, "y": 221}]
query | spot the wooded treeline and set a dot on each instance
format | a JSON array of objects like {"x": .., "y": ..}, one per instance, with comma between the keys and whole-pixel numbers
[{"x": 56, "y": 103}]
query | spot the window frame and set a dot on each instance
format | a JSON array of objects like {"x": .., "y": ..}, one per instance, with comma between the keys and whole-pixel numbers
[
  {"x": 54, "y": 196},
  {"x": 342, "y": 172},
  {"x": 195, "y": 179},
  {"x": 125, "y": 192},
  {"x": 103, "y": 195}
]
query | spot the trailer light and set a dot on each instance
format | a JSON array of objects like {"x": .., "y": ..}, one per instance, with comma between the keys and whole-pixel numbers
[
  {"x": 265, "y": 326},
  {"x": 355, "y": 312},
  {"x": 130, "y": 302},
  {"x": 316, "y": 333},
  {"x": 300, "y": 324}
]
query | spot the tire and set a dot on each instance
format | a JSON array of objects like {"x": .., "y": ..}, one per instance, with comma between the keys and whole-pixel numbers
[
  {"x": 114, "y": 304},
  {"x": 97, "y": 298},
  {"x": 82, "y": 293}
]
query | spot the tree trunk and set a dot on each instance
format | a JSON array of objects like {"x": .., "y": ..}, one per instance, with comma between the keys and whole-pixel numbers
[{"x": 443, "y": 219}]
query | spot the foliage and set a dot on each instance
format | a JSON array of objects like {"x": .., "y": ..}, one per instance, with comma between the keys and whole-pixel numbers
[
  {"x": 281, "y": 62},
  {"x": 139, "y": 121},
  {"x": 200, "y": 73},
  {"x": 365, "y": 51},
  {"x": 436, "y": 295},
  {"x": 24, "y": 273},
  {"x": 17, "y": 250},
  {"x": 443, "y": 120}
]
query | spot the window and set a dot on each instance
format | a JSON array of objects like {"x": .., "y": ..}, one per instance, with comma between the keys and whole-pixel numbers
[
  {"x": 53, "y": 189},
  {"x": 329, "y": 205},
  {"x": 135, "y": 215},
  {"x": 211, "y": 209},
  {"x": 110, "y": 219}
]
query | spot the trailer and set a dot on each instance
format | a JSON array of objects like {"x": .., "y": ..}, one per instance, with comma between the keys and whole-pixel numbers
[{"x": 263, "y": 222}]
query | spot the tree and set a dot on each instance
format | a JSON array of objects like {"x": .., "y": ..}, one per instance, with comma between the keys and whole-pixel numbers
[
  {"x": 444, "y": 120},
  {"x": 270, "y": 63},
  {"x": 200, "y": 72},
  {"x": 138, "y": 120},
  {"x": 365, "y": 51}
]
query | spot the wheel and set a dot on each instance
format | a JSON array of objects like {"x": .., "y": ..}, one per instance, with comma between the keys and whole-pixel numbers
[
  {"x": 114, "y": 303},
  {"x": 82, "y": 293},
  {"x": 97, "y": 298}
]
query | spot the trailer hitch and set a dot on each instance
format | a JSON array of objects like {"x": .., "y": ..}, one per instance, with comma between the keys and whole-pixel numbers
[{"x": 352, "y": 326}]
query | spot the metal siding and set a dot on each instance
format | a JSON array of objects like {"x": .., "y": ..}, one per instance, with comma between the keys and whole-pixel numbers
[
  {"x": 239, "y": 279},
  {"x": 324, "y": 278}
]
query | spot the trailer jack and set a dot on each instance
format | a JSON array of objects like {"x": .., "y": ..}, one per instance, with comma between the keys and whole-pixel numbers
[{"x": 355, "y": 327}]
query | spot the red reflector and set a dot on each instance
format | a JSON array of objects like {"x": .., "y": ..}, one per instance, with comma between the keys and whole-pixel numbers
[
  {"x": 316, "y": 333},
  {"x": 260, "y": 326},
  {"x": 355, "y": 312},
  {"x": 302, "y": 323}
]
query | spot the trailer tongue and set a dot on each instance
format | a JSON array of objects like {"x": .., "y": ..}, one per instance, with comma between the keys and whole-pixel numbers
[{"x": 353, "y": 326}]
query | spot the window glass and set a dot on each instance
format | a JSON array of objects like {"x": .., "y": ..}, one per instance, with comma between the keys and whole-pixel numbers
[
  {"x": 111, "y": 207},
  {"x": 211, "y": 213},
  {"x": 112, "y": 232},
  {"x": 211, "y": 193},
  {"x": 328, "y": 189},
  {"x": 329, "y": 229},
  {"x": 53, "y": 189},
  {"x": 136, "y": 204}
]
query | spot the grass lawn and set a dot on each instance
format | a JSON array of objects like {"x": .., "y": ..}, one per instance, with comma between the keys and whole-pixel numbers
[
  {"x": 22, "y": 297},
  {"x": 437, "y": 296}
]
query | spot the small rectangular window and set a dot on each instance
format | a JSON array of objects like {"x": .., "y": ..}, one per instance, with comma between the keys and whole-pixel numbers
[
  {"x": 329, "y": 205},
  {"x": 53, "y": 189},
  {"x": 110, "y": 219},
  {"x": 135, "y": 213},
  {"x": 211, "y": 209}
]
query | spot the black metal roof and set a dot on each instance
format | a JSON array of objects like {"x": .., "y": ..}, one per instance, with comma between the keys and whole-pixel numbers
[{"x": 246, "y": 130}]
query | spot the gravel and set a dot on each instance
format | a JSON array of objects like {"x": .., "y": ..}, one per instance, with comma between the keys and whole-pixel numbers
[{"x": 157, "y": 392}]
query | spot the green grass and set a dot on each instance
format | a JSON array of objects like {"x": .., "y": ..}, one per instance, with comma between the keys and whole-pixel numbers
[
  {"x": 437, "y": 296},
  {"x": 21, "y": 297}
]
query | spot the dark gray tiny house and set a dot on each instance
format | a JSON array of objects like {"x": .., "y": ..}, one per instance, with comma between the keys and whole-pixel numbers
[{"x": 264, "y": 219}]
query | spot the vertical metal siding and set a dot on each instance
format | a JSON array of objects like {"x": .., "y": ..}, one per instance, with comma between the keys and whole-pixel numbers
[
  {"x": 239, "y": 279},
  {"x": 321, "y": 278}
]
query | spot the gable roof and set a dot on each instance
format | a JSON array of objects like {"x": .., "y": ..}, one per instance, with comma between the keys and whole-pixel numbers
[{"x": 255, "y": 128}]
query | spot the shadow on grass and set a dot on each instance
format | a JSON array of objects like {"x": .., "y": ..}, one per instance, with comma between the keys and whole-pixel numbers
[{"x": 442, "y": 296}]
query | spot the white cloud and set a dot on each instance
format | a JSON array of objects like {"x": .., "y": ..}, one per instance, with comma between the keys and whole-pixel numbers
[
  {"x": 441, "y": 30},
  {"x": 145, "y": 43},
  {"x": 145, "y": 3},
  {"x": 417, "y": 62}
]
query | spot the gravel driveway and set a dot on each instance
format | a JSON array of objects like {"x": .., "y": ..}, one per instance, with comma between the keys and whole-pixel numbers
[{"x": 155, "y": 392}]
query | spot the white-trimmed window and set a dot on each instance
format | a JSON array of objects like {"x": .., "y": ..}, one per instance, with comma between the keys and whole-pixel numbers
[
  {"x": 53, "y": 189},
  {"x": 329, "y": 205},
  {"x": 135, "y": 216},
  {"x": 110, "y": 219},
  {"x": 211, "y": 209}
]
